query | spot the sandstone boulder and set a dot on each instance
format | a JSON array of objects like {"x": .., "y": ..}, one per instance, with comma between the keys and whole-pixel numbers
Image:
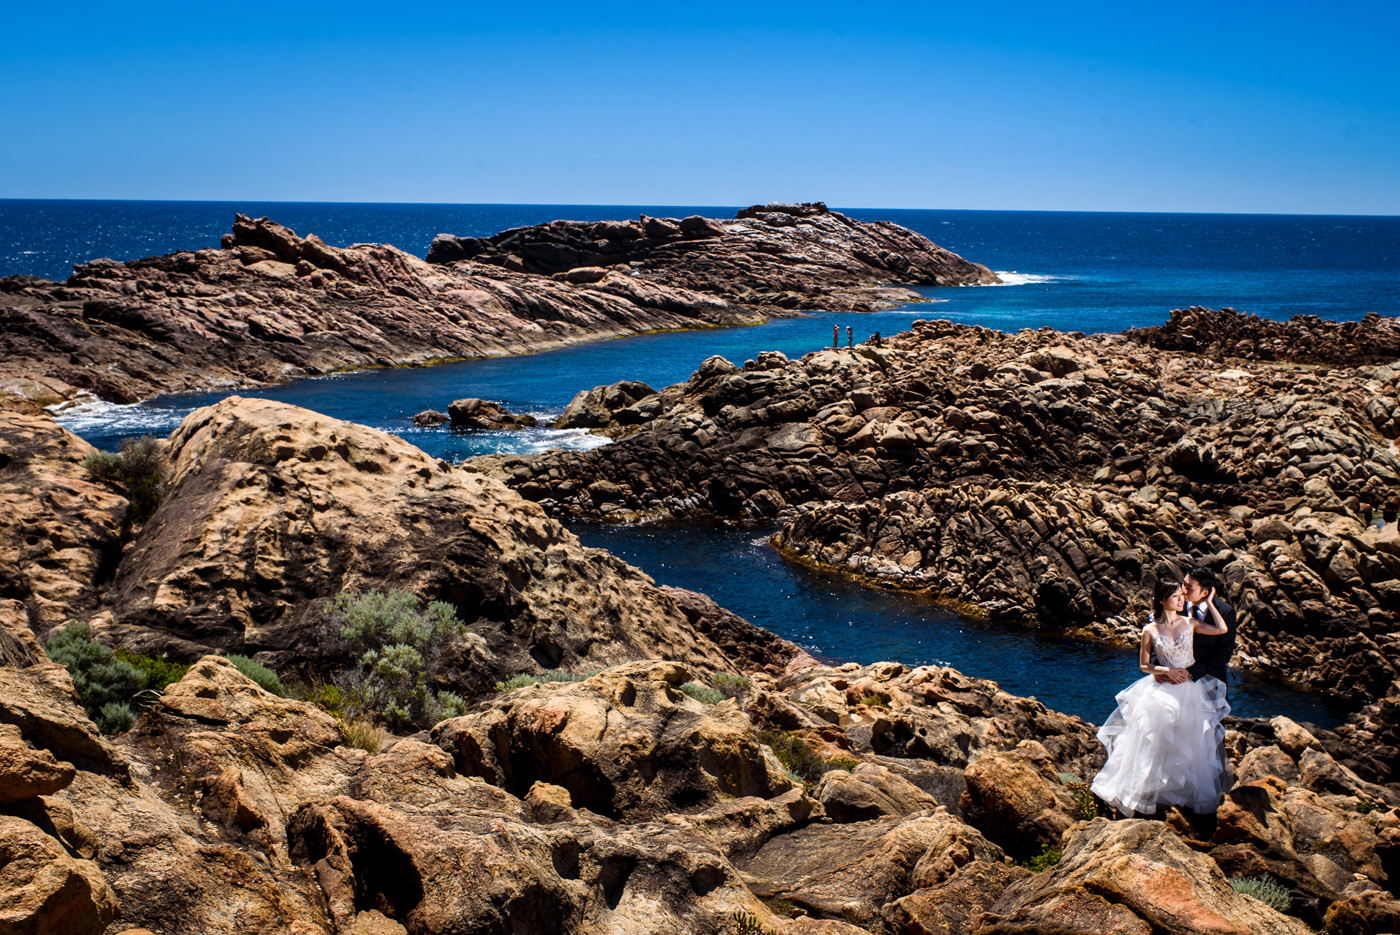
[
  {"x": 43, "y": 890},
  {"x": 472, "y": 413}
]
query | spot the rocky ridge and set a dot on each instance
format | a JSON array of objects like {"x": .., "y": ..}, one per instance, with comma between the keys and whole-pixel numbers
[
  {"x": 271, "y": 305},
  {"x": 1041, "y": 477},
  {"x": 622, "y": 804}
]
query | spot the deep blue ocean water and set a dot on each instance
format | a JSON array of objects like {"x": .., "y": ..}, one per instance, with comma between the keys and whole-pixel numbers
[{"x": 1089, "y": 272}]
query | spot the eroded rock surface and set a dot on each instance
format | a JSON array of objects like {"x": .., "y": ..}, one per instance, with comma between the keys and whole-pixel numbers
[
  {"x": 1044, "y": 477},
  {"x": 273, "y": 510},
  {"x": 272, "y": 305}
]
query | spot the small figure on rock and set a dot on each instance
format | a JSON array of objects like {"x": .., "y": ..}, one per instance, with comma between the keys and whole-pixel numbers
[
  {"x": 835, "y": 337},
  {"x": 874, "y": 340},
  {"x": 850, "y": 342}
]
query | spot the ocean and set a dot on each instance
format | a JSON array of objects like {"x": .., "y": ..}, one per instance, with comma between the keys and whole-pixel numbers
[{"x": 1090, "y": 272}]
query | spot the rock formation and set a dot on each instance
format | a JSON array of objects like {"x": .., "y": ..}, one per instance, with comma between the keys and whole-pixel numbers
[
  {"x": 775, "y": 256},
  {"x": 273, "y": 510},
  {"x": 620, "y": 803},
  {"x": 271, "y": 305},
  {"x": 1041, "y": 477}
]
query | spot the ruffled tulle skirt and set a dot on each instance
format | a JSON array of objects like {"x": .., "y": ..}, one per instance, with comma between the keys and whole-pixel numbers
[{"x": 1165, "y": 747}]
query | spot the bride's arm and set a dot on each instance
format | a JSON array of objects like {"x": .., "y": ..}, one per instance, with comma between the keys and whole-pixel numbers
[{"x": 1217, "y": 626}]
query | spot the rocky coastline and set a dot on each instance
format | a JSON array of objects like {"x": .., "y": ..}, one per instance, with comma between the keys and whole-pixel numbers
[
  {"x": 270, "y": 305},
  {"x": 672, "y": 767},
  {"x": 1045, "y": 478}
]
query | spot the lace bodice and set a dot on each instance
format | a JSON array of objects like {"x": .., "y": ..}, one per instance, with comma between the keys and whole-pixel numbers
[{"x": 1178, "y": 652}]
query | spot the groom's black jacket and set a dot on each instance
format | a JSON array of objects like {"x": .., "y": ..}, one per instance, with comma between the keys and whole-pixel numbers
[{"x": 1213, "y": 652}]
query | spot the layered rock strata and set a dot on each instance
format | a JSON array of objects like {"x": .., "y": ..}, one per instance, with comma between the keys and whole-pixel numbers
[
  {"x": 271, "y": 305},
  {"x": 775, "y": 256},
  {"x": 622, "y": 804},
  {"x": 1040, "y": 477}
]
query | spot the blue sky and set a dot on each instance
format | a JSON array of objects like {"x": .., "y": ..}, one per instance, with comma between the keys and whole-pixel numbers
[{"x": 1246, "y": 107}]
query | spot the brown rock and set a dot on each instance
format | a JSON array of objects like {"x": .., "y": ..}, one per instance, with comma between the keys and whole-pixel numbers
[
  {"x": 44, "y": 890},
  {"x": 25, "y": 772},
  {"x": 953, "y": 906},
  {"x": 474, "y": 413},
  {"x": 1016, "y": 799}
]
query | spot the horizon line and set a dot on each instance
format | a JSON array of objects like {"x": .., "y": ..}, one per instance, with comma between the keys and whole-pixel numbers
[{"x": 546, "y": 204}]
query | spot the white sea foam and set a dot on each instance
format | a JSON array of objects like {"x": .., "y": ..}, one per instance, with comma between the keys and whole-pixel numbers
[
  {"x": 533, "y": 441},
  {"x": 88, "y": 415},
  {"x": 1013, "y": 278}
]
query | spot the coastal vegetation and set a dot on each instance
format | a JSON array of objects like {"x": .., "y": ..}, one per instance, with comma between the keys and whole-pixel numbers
[{"x": 138, "y": 468}]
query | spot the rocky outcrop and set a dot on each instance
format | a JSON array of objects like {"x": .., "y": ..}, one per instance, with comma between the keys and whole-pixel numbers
[
  {"x": 482, "y": 414},
  {"x": 273, "y": 510},
  {"x": 272, "y": 305},
  {"x": 622, "y": 803},
  {"x": 1040, "y": 477},
  {"x": 61, "y": 531},
  {"x": 1305, "y": 339},
  {"x": 774, "y": 257}
]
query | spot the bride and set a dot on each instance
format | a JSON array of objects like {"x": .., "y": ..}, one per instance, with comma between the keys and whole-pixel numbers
[{"x": 1164, "y": 740}]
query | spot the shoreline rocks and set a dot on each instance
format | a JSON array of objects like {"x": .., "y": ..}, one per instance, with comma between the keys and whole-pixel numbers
[
  {"x": 1043, "y": 477},
  {"x": 271, "y": 305}
]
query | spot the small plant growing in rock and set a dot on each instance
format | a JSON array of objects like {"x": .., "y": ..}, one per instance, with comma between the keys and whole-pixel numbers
[
  {"x": 841, "y": 762},
  {"x": 732, "y": 686},
  {"x": 1046, "y": 859},
  {"x": 548, "y": 675},
  {"x": 1265, "y": 889},
  {"x": 803, "y": 764},
  {"x": 265, "y": 678},
  {"x": 875, "y": 700},
  {"x": 1085, "y": 805},
  {"x": 745, "y": 923},
  {"x": 702, "y": 693},
  {"x": 398, "y": 645},
  {"x": 105, "y": 683},
  {"x": 1365, "y": 808},
  {"x": 361, "y": 734},
  {"x": 138, "y": 468}
]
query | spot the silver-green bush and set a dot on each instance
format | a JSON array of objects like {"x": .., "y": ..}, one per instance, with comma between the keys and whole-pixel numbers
[
  {"x": 259, "y": 673},
  {"x": 1265, "y": 889}
]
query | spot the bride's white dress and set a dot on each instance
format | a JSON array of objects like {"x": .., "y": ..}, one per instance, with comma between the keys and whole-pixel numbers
[{"x": 1165, "y": 741}]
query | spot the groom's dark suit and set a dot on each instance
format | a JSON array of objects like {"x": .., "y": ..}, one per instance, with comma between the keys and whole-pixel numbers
[{"x": 1213, "y": 652}]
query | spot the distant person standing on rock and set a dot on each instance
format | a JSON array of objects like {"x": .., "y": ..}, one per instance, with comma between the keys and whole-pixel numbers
[
  {"x": 835, "y": 337},
  {"x": 849, "y": 331}
]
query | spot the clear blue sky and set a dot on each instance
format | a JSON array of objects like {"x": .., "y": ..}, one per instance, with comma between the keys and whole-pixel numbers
[{"x": 1240, "y": 107}]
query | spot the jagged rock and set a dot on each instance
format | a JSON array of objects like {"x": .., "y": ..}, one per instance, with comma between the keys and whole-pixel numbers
[
  {"x": 26, "y": 772},
  {"x": 625, "y": 742},
  {"x": 870, "y": 791},
  {"x": 474, "y": 413},
  {"x": 430, "y": 417},
  {"x": 1016, "y": 799},
  {"x": 43, "y": 890},
  {"x": 57, "y": 548},
  {"x": 1041, "y": 477},
  {"x": 273, "y": 510},
  {"x": 851, "y": 871},
  {"x": 271, "y": 305},
  {"x": 952, "y": 907},
  {"x": 1303, "y": 338},
  {"x": 602, "y": 404},
  {"x": 1131, "y": 877}
]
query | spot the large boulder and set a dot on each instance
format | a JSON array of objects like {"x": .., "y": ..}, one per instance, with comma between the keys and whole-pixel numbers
[
  {"x": 625, "y": 742},
  {"x": 273, "y": 510},
  {"x": 43, "y": 890}
]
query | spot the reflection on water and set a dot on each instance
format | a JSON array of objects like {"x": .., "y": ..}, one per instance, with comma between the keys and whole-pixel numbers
[{"x": 837, "y": 619}]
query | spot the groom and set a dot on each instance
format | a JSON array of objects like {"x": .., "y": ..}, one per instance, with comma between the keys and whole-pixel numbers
[{"x": 1212, "y": 652}]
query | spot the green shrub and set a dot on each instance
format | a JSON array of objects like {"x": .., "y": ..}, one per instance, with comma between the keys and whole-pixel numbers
[
  {"x": 105, "y": 683},
  {"x": 702, "y": 693},
  {"x": 799, "y": 759},
  {"x": 159, "y": 672},
  {"x": 731, "y": 686},
  {"x": 138, "y": 468},
  {"x": 1265, "y": 889},
  {"x": 1085, "y": 805},
  {"x": 1046, "y": 859},
  {"x": 361, "y": 734},
  {"x": 265, "y": 677},
  {"x": 398, "y": 645},
  {"x": 842, "y": 762},
  {"x": 745, "y": 923},
  {"x": 115, "y": 718},
  {"x": 548, "y": 675},
  {"x": 874, "y": 700}
]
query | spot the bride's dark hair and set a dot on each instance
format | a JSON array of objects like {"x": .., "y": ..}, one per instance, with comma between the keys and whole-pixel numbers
[{"x": 1165, "y": 588}]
